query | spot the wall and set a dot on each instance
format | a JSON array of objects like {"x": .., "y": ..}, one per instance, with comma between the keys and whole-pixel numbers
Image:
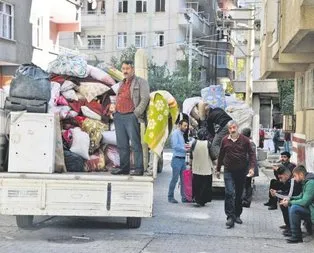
[{"x": 20, "y": 50}]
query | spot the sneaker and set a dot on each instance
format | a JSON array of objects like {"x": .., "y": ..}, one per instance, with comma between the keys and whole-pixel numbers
[
  {"x": 230, "y": 223},
  {"x": 238, "y": 220},
  {"x": 173, "y": 201}
]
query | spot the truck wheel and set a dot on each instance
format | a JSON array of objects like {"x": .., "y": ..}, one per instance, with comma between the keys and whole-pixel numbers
[
  {"x": 24, "y": 221},
  {"x": 160, "y": 164},
  {"x": 133, "y": 222}
]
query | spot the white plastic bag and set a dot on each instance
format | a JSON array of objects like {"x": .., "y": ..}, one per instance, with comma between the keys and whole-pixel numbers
[
  {"x": 80, "y": 144},
  {"x": 109, "y": 137}
]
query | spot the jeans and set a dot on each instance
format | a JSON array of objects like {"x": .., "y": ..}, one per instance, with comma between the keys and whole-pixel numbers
[
  {"x": 128, "y": 131},
  {"x": 276, "y": 146},
  {"x": 296, "y": 214},
  {"x": 285, "y": 215},
  {"x": 287, "y": 146},
  {"x": 234, "y": 183},
  {"x": 178, "y": 166}
]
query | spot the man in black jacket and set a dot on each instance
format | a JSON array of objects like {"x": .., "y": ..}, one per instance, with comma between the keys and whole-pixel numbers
[
  {"x": 289, "y": 187},
  {"x": 217, "y": 117},
  {"x": 275, "y": 183}
]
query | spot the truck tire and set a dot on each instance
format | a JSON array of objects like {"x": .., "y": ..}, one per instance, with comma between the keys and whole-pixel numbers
[
  {"x": 160, "y": 164},
  {"x": 133, "y": 222},
  {"x": 24, "y": 221}
]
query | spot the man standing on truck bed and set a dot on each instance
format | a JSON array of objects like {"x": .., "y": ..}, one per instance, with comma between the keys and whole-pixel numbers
[
  {"x": 219, "y": 117},
  {"x": 235, "y": 154},
  {"x": 132, "y": 100}
]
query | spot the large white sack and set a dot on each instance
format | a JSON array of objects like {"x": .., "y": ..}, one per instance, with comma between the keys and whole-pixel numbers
[{"x": 80, "y": 143}]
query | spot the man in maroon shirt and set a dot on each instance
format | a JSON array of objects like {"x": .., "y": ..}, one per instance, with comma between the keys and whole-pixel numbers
[
  {"x": 234, "y": 153},
  {"x": 132, "y": 101}
]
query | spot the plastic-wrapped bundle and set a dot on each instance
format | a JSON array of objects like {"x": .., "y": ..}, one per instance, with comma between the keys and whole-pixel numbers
[{"x": 214, "y": 95}]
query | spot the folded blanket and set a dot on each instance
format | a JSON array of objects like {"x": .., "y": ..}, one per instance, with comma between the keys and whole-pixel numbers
[{"x": 162, "y": 110}]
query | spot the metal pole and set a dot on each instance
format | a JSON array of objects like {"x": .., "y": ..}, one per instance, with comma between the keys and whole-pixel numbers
[
  {"x": 190, "y": 50},
  {"x": 249, "y": 60}
]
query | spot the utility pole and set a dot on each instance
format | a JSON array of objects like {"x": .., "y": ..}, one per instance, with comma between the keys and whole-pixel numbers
[
  {"x": 249, "y": 59},
  {"x": 190, "y": 48}
]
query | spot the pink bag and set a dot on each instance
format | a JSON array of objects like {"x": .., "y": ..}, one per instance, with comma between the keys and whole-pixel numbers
[{"x": 187, "y": 184}]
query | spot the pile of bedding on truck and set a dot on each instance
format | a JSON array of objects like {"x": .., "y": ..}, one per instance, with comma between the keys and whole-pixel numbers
[{"x": 82, "y": 99}]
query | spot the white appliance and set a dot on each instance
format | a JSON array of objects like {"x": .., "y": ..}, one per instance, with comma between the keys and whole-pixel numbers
[{"x": 32, "y": 143}]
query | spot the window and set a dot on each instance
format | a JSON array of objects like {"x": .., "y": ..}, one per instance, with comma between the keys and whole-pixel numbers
[
  {"x": 160, "y": 39},
  {"x": 160, "y": 5},
  {"x": 140, "y": 40},
  {"x": 94, "y": 5},
  {"x": 38, "y": 32},
  {"x": 95, "y": 41},
  {"x": 122, "y": 40},
  {"x": 123, "y": 6},
  {"x": 141, "y": 6},
  {"x": 6, "y": 21}
]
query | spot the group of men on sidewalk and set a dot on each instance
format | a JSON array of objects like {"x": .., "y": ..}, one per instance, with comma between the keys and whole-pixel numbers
[{"x": 293, "y": 189}]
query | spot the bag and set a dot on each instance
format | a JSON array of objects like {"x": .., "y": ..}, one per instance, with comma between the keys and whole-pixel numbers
[
  {"x": 73, "y": 162},
  {"x": 92, "y": 90},
  {"x": 80, "y": 144},
  {"x": 95, "y": 129},
  {"x": 109, "y": 137},
  {"x": 71, "y": 65},
  {"x": 101, "y": 75},
  {"x": 31, "y": 82},
  {"x": 187, "y": 184},
  {"x": 21, "y": 104},
  {"x": 96, "y": 162},
  {"x": 214, "y": 95},
  {"x": 89, "y": 113}
]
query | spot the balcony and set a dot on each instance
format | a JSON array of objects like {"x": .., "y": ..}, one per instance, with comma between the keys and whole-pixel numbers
[
  {"x": 93, "y": 19},
  {"x": 225, "y": 46},
  {"x": 270, "y": 65},
  {"x": 200, "y": 23},
  {"x": 297, "y": 27}
]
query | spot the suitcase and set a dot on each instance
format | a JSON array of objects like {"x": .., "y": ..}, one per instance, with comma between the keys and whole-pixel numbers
[{"x": 187, "y": 184}]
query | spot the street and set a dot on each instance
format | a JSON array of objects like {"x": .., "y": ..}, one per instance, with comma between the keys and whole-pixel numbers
[{"x": 174, "y": 228}]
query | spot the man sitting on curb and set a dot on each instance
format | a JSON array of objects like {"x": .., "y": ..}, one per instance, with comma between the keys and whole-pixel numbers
[
  {"x": 288, "y": 189},
  {"x": 301, "y": 207},
  {"x": 275, "y": 184}
]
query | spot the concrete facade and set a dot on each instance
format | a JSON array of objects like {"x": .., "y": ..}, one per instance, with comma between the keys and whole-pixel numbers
[
  {"x": 16, "y": 48},
  {"x": 287, "y": 52}
]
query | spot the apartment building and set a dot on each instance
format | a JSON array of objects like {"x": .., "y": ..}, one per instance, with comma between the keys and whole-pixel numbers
[
  {"x": 15, "y": 36},
  {"x": 162, "y": 27},
  {"x": 49, "y": 19},
  {"x": 287, "y": 52},
  {"x": 30, "y": 30}
]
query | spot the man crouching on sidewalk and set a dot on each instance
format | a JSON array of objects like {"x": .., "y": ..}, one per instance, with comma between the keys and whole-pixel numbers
[{"x": 301, "y": 207}]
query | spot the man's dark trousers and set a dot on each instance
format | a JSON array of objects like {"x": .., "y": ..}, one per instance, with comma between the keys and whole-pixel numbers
[
  {"x": 234, "y": 184},
  {"x": 128, "y": 130}
]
